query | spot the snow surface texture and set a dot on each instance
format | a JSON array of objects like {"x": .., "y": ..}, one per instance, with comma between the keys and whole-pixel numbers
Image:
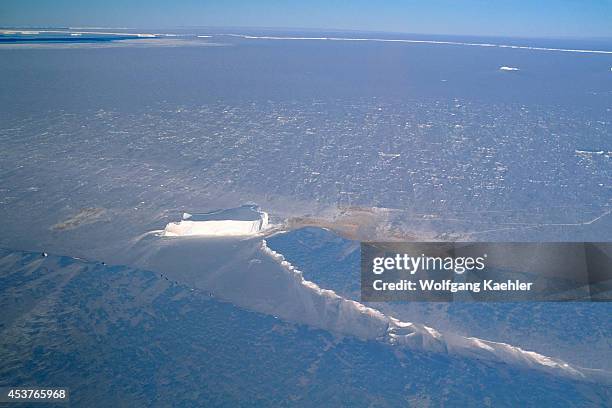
[
  {"x": 421, "y": 337},
  {"x": 229, "y": 227}
]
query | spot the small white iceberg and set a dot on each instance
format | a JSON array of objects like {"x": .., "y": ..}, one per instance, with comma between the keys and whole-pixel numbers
[
  {"x": 247, "y": 220},
  {"x": 505, "y": 68}
]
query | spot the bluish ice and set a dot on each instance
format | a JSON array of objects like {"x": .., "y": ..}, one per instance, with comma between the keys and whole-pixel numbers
[{"x": 103, "y": 143}]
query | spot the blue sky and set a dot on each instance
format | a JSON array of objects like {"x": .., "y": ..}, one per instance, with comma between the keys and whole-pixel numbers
[{"x": 533, "y": 18}]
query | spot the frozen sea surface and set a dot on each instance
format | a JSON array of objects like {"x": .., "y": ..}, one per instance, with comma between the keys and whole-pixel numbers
[{"x": 434, "y": 131}]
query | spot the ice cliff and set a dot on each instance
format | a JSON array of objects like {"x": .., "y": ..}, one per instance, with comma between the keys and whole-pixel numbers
[{"x": 353, "y": 318}]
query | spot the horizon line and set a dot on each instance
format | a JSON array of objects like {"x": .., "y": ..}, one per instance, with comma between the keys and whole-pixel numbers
[{"x": 311, "y": 29}]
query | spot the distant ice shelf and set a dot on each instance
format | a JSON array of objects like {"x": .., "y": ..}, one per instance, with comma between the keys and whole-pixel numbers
[{"x": 247, "y": 220}]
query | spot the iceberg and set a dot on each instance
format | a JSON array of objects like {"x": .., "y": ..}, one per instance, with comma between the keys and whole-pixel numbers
[{"x": 247, "y": 220}]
